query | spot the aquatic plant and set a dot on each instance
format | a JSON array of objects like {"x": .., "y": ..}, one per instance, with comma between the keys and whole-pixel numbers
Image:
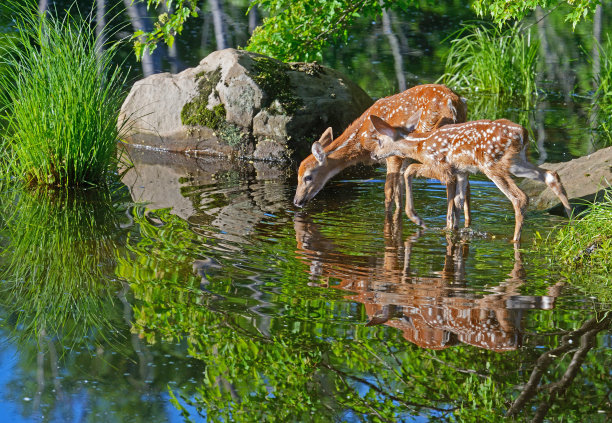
[
  {"x": 60, "y": 97},
  {"x": 583, "y": 249},
  {"x": 491, "y": 60}
]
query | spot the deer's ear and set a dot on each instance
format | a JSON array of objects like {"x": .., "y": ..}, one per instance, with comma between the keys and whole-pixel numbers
[
  {"x": 327, "y": 137},
  {"x": 413, "y": 121},
  {"x": 319, "y": 153},
  {"x": 383, "y": 128}
]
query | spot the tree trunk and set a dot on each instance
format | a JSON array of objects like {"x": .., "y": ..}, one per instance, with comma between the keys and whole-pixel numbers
[
  {"x": 176, "y": 65},
  {"x": 253, "y": 19},
  {"x": 216, "y": 9},
  {"x": 100, "y": 25},
  {"x": 43, "y": 6},
  {"x": 395, "y": 50},
  {"x": 597, "y": 19},
  {"x": 205, "y": 31},
  {"x": 151, "y": 63}
]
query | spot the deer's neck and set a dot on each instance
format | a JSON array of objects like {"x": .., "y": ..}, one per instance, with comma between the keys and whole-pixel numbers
[{"x": 351, "y": 147}]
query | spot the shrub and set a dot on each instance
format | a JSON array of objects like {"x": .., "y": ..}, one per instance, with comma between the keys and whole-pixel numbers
[
  {"x": 61, "y": 98},
  {"x": 491, "y": 60},
  {"x": 582, "y": 249}
]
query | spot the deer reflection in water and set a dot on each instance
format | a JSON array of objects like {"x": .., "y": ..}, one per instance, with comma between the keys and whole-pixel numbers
[{"x": 432, "y": 312}]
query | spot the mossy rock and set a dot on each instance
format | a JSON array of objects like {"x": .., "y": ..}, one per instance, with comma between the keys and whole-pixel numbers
[
  {"x": 235, "y": 100},
  {"x": 271, "y": 75},
  {"x": 196, "y": 112}
]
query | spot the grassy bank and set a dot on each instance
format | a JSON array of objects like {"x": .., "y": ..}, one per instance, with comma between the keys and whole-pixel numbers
[
  {"x": 60, "y": 98},
  {"x": 487, "y": 59},
  {"x": 582, "y": 249}
]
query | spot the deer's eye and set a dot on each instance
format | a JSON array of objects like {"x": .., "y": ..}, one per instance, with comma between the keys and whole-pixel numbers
[{"x": 308, "y": 178}]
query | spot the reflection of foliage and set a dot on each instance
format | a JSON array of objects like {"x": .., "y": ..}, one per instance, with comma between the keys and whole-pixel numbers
[
  {"x": 291, "y": 359},
  {"x": 583, "y": 249},
  {"x": 491, "y": 106},
  {"x": 487, "y": 59},
  {"x": 58, "y": 244}
]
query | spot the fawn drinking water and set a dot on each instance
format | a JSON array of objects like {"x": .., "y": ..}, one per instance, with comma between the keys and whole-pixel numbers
[{"x": 437, "y": 104}]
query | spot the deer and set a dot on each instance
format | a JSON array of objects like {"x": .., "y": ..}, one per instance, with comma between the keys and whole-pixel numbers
[
  {"x": 438, "y": 106},
  {"x": 496, "y": 148}
]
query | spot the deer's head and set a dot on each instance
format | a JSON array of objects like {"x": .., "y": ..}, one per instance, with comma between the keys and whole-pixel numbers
[
  {"x": 314, "y": 171},
  {"x": 388, "y": 137}
]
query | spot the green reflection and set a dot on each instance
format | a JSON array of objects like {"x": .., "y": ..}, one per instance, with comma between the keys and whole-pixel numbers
[
  {"x": 306, "y": 359},
  {"x": 59, "y": 248}
]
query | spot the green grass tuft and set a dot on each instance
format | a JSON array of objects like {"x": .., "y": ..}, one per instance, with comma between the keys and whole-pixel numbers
[
  {"x": 495, "y": 61},
  {"x": 61, "y": 99},
  {"x": 582, "y": 250}
]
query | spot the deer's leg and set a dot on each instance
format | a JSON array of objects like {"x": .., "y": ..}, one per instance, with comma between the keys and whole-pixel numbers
[
  {"x": 525, "y": 169},
  {"x": 462, "y": 198},
  {"x": 518, "y": 198},
  {"x": 392, "y": 183},
  {"x": 452, "y": 218},
  {"x": 409, "y": 173}
]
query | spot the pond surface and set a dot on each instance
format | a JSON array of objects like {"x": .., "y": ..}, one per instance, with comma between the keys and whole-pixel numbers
[
  {"x": 194, "y": 291},
  {"x": 235, "y": 306}
]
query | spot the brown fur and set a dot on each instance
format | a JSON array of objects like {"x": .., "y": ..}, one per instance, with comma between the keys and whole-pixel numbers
[{"x": 439, "y": 106}]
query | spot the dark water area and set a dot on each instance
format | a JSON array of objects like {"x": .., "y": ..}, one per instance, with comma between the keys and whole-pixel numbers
[{"x": 193, "y": 290}]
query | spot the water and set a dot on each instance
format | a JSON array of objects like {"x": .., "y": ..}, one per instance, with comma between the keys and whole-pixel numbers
[
  {"x": 194, "y": 290},
  {"x": 237, "y": 306}
]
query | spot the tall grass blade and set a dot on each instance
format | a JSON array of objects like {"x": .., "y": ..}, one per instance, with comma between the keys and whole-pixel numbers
[{"x": 61, "y": 100}]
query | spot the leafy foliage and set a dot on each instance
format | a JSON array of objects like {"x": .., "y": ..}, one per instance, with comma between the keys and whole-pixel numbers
[
  {"x": 300, "y": 30},
  {"x": 293, "y": 30},
  {"x": 502, "y": 10},
  {"x": 167, "y": 25},
  {"x": 62, "y": 97},
  {"x": 603, "y": 95}
]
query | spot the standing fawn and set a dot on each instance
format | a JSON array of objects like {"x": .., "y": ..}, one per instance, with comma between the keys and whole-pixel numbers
[
  {"x": 496, "y": 148},
  {"x": 437, "y": 105}
]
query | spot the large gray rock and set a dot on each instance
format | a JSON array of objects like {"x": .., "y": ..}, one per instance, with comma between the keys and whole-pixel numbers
[
  {"x": 238, "y": 103},
  {"x": 583, "y": 179}
]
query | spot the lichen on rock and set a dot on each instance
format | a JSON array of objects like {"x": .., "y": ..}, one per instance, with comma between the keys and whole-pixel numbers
[
  {"x": 196, "y": 111},
  {"x": 238, "y": 103},
  {"x": 271, "y": 76}
]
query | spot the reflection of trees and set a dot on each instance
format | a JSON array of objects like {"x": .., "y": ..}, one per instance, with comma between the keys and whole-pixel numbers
[
  {"x": 284, "y": 350},
  {"x": 388, "y": 291},
  {"x": 579, "y": 341}
]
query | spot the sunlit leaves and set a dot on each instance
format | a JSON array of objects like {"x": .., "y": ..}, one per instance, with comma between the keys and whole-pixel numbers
[{"x": 503, "y": 10}]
